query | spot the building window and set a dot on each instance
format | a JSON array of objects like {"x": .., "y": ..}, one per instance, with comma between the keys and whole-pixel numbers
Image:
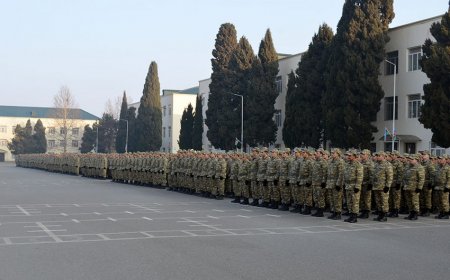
[
  {"x": 277, "y": 118},
  {"x": 414, "y": 102},
  {"x": 75, "y": 143},
  {"x": 170, "y": 110},
  {"x": 373, "y": 147},
  {"x": 388, "y": 146},
  {"x": 75, "y": 131},
  {"x": 436, "y": 150},
  {"x": 62, "y": 143},
  {"x": 164, "y": 132},
  {"x": 279, "y": 84},
  {"x": 410, "y": 148},
  {"x": 393, "y": 58},
  {"x": 389, "y": 108},
  {"x": 51, "y": 143},
  {"x": 414, "y": 56},
  {"x": 51, "y": 130},
  {"x": 3, "y": 129},
  {"x": 63, "y": 131},
  {"x": 3, "y": 142},
  {"x": 170, "y": 131},
  {"x": 164, "y": 111}
]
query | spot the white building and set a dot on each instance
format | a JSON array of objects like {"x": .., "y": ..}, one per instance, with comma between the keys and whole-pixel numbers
[
  {"x": 173, "y": 103},
  {"x": 404, "y": 49},
  {"x": 10, "y": 116}
]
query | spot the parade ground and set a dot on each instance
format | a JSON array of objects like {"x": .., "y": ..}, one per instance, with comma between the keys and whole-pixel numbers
[{"x": 55, "y": 226}]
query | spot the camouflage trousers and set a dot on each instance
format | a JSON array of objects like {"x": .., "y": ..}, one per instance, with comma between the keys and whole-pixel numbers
[
  {"x": 235, "y": 186},
  {"x": 266, "y": 192},
  {"x": 218, "y": 187},
  {"x": 443, "y": 203},
  {"x": 382, "y": 200},
  {"x": 366, "y": 198},
  {"x": 285, "y": 191},
  {"x": 245, "y": 189},
  {"x": 353, "y": 201},
  {"x": 296, "y": 193},
  {"x": 254, "y": 189},
  {"x": 426, "y": 198},
  {"x": 274, "y": 191},
  {"x": 319, "y": 196},
  {"x": 228, "y": 186},
  {"x": 336, "y": 199},
  {"x": 260, "y": 188},
  {"x": 412, "y": 200},
  {"x": 306, "y": 193},
  {"x": 395, "y": 197}
]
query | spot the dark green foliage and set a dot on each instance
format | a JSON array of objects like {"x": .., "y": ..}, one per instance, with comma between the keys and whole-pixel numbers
[
  {"x": 435, "y": 112},
  {"x": 303, "y": 125},
  {"x": 132, "y": 135},
  {"x": 353, "y": 94},
  {"x": 220, "y": 116},
  {"x": 187, "y": 124},
  {"x": 122, "y": 130},
  {"x": 38, "y": 139},
  {"x": 107, "y": 131},
  {"x": 18, "y": 143},
  {"x": 149, "y": 119},
  {"x": 88, "y": 141},
  {"x": 197, "y": 130}
]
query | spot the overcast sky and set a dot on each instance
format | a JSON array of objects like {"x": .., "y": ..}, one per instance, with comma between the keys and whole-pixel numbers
[{"x": 99, "y": 48}]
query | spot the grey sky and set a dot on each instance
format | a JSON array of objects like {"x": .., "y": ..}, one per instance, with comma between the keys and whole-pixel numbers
[{"x": 99, "y": 48}]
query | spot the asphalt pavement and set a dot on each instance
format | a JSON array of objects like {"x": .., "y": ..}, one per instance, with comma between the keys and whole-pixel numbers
[{"x": 55, "y": 226}]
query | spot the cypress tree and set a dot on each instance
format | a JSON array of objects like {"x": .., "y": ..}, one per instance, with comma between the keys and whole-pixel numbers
[
  {"x": 353, "y": 94},
  {"x": 16, "y": 146},
  {"x": 122, "y": 130},
  {"x": 107, "y": 131},
  {"x": 187, "y": 124},
  {"x": 28, "y": 138},
  {"x": 149, "y": 119},
  {"x": 197, "y": 130},
  {"x": 435, "y": 112},
  {"x": 88, "y": 140},
  {"x": 220, "y": 119},
  {"x": 39, "y": 139},
  {"x": 304, "y": 121},
  {"x": 131, "y": 117}
]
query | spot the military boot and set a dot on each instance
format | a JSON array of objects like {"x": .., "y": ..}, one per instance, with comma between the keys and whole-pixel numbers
[
  {"x": 338, "y": 216},
  {"x": 346, "y": 213},
  {"x": 264, "y": 204},
  {"x": 364, "y": 214},
  {"x": 297, "y": 209},
  {"x": 274, "y": 204},
  {"x": 319, "y": 213},
  {"x": 351, "y": 219},
  {"x": 255, "y": 202},
  {"x": 425, "y": 212},
  {"x": 306, "y": 210},
  {"x": 245, "y": 201},
  {"x": 412, "y": 216},
  {"x": 283, "y": 207},
  {"x": 237, "y": 199},
  {"x": 393, "y": 213},
  {"x": 442, "y": 215},
  {"x": 332, "y": 216},
  {"x": 381, "y": 217}
]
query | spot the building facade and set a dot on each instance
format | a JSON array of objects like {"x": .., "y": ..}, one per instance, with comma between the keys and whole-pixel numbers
[
  {"x": 11, "y": 116},
  {"x": 404, "y": 50}
]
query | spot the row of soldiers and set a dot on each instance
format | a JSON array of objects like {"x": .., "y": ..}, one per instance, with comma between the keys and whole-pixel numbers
[{"x": 301, "y": 180}]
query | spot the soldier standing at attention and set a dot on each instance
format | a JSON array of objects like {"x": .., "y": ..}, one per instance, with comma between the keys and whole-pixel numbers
[
  {"x": 366, "y": 189},
  {"x": 283, "y": 182},
  {"x": 305, "y": 181},
  {"x": 293, "y": 165},
  {"x": 335, "y": 179},
  {"x": 395, "y": 193},
  {"x": 382, "y": 180},
  {"x": 353, "y": 178},
  {"x": 253, "y": 177},
  {"x": 272, "y": 175},
  {"x": 427, "y": 191},
  {"x": 442, "y": 186},
  {"x": 261, "y": 177},
  {"x": 319, "y": 175},
  {"x": 413, "y": 184}
]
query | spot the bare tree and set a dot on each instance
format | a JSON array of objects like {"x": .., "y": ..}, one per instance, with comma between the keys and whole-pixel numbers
[
  {"x": 113, "y": 107},
  {"x": 66, "y": 116}
]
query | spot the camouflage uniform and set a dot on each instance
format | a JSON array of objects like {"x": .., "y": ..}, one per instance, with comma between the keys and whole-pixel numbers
[
  {"x": 262, "y": 180},
  {"x": 271, "y": 192},
  {"x": 353, "y": 178},
  {"x": 335, "y": 178},
  {"x": 395, "y": 194},
  {"x": 427, "y": 190},
  {"x": 442, "y": 188},
  {"x": 283, "y": 182},
  {"x": 293, "y": 168},
  {"x": 319, "y": 176},
  {"x": 366, "y": 188},
  {"x": 382, "y": 180},
  {"x": 305, "y": 178},
  {"x": 412, "y": 184}
]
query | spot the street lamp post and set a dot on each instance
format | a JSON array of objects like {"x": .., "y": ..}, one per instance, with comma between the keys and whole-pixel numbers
[
  {"x": 96, "y": 142},
  {"x": 242, "y": 119},
  {"x": 393, "y": 114},
  {"x": 126, "y": 138}
]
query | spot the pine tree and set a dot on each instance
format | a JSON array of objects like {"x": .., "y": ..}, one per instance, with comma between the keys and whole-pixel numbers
[
  {"x": 122, "y": 130},
  {"x": 353, "y": 94},
  {"x": 220, "y": 119},
  {"x": 131, "y": 117},
  {"x": 39, "y": 140},
  {"x": 88, "y": 140},
  {"x": 435, "y": 112},
  {"x": 107, "y": 131},
  {"x": 28, "y": 138},
  {"x": 16, "y": 146},
  {"x": 187, "y": 124},
  {"x": 149, "y": 119},
  {"x": 304, "y": 121},
  {"x": 197, "y": 130}
]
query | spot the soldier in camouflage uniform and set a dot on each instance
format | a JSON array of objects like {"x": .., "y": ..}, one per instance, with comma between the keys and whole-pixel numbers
[
  {"x": 412, "y": 184},
  {"x": 272, "y": 176},
  {"x": 253, "y": 177},
  {"x": 395, "y": 193},
  {"x": 283, "y": 182},
  {"x": 335, "y": 179},
  {"x": 319, "y": 178},
  {"x": 442, "y": 186},
  {"x": 427, "y": 190},
  {"x": 366, "y": 188},
  {"x": 382, "y": 180},
  {"x": 219, "y": 176},
  {"x": 353, "y": 178},
  {"x": 293, "y": 165},
  {"x": 262, "y": 180},
  {"x": 305, "y": 179},
  {"x": 243, "y": 178}
]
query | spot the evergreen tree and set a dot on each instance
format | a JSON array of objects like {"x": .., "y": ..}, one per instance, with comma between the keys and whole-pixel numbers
[
  {"x": 122, "y": 130},
  {"x": 28, "y": 139},
  {"x": 88, "y": 141},
  {"x": 353, "y": 94},
  {"x": 17, "y": 144},
  {"x": 304, "y": 121},
  {"x": 187, "y": 124},
  {"x": 131, "y": 117},
  {"x": 149, "y": 119},
  {"x": 107, "y": 131},
  {"x": 197, "y": 130},
  {"x": 435, "y": 112},
  {"x": 39, "y": 139},
  {"x": 220, "y": 119}
]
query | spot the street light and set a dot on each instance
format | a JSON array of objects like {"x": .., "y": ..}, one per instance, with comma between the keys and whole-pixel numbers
[
  {"x": 242, "y": 120},
  {"x": 393, "y": 114},
  {"x": 126, "y": 139},
  {"x": 96, "y": 141}
]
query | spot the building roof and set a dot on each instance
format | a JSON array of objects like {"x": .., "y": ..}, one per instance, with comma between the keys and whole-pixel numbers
[
  {"x": 40, "y": 112},
  {"x": 436, "y": 18},
  {"x": 192, "y": 90}
]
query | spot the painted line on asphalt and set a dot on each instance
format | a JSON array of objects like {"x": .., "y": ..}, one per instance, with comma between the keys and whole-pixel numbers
[
  {"x": 49, "y": 232},
  {"x": 23, "y": 210}
]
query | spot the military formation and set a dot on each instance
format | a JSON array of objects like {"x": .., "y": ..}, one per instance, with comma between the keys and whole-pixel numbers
[{"x": 349, "y": 183}]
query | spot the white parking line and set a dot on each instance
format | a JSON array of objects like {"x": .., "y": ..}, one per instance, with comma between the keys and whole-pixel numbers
[
  {"x": 49, "y": 232},
  {"x": 147, "y": 218},
  {"x": 111, "y": 219},
  {"x": 23, "y": 210}
]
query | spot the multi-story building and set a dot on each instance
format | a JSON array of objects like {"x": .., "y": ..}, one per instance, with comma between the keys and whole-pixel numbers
[
  {"x": 404, "y": 50},
  {"x": 11, "y": 116},
  {"x": 173, "y": 103}
]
